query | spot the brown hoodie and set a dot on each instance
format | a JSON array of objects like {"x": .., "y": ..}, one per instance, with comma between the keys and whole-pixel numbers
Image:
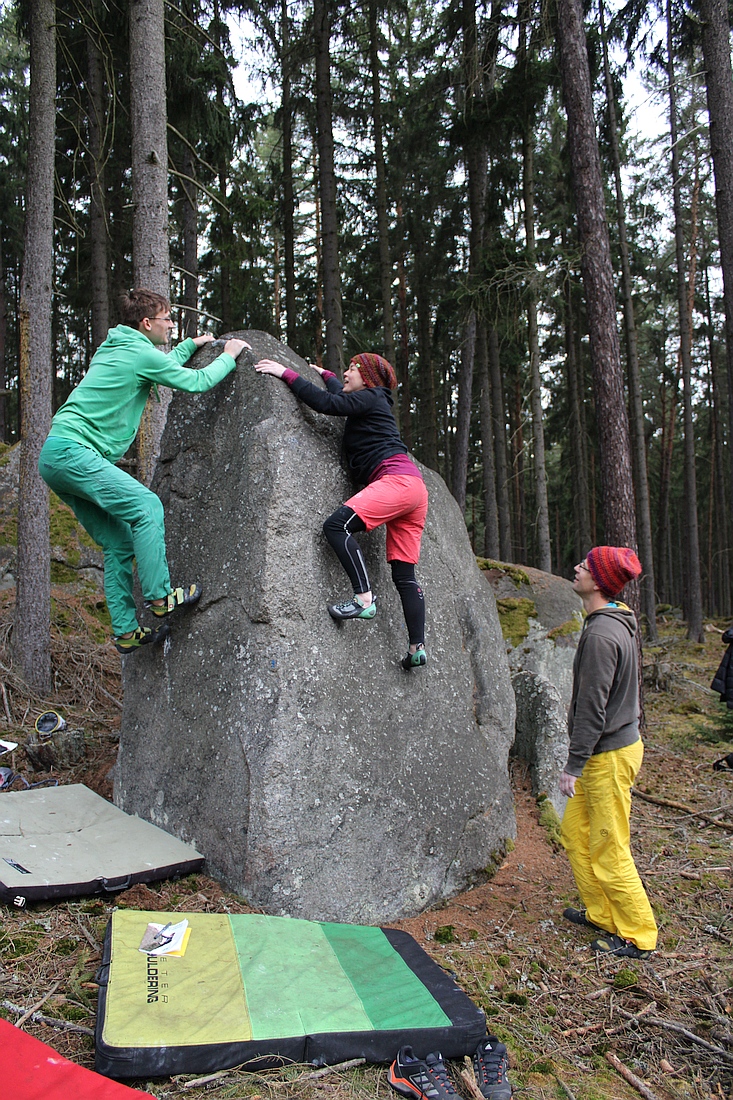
[{"x": 604, "y": 708}]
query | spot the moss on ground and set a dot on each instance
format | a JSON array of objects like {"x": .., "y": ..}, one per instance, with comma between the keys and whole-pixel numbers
[{"x": 549, "y": 820}]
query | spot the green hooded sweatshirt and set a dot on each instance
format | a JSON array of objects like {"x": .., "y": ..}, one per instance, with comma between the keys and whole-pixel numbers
[{"x": 104, "y": 410}]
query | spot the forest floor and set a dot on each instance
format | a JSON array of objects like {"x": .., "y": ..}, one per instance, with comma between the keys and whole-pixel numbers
[{"x": 574, "y": 1023}]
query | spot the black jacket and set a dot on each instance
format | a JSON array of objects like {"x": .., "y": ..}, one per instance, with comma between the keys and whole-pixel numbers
[
  {"x": 370, "y": 434},
  {"x": 723, "y": 682}
]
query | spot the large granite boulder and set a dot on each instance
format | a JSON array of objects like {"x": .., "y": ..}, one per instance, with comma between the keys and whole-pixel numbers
[
  {"x": 319, "y": 779},
  {"x": 541, "y": 617}
]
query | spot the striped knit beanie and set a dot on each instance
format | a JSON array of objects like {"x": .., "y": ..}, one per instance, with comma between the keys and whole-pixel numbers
[
  {"x": 375, "y": 370},
  {"x": 612, "y": 567}
]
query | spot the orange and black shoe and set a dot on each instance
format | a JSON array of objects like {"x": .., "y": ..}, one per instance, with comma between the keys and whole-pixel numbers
[{"x": 421, "y": 1079}]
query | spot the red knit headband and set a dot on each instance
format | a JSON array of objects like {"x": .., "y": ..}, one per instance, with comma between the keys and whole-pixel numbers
[
  {"x": 612, "y": 567},
  {"x": 375, "y": 370}
]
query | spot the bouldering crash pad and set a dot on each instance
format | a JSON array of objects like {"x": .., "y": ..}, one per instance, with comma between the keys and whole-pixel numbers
[
  {"x": 31, "y": 1070},
  {"x": 58, "y": 842},
  {"x": 265, "y": 990}
]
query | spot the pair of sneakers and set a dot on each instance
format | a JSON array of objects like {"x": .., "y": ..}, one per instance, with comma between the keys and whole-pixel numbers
[
  {"x": 144, "y": 635},
  {"x": 427, "y": 1078},
  {"x": 355, "y": 609}
]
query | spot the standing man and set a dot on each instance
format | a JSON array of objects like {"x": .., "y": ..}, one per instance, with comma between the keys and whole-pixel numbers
[
  {"x": 605, "y": 756},
  {"x": 92, "y": 431}
]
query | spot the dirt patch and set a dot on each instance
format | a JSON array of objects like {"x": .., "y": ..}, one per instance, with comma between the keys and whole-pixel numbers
[{"x": 527, "y": 886}]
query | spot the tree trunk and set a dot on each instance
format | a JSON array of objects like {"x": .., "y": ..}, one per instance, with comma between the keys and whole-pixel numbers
[
  {"x": 719, "y": 85},
  {"x": 578, "y": 451},
  {"x": 542, "y": 511},
  {"x": 385, "y": 262},
  {"x": 459, "y": 451},
  {"x": 150, "y": 251},
  {"x": 327, "y": 185},
  {"x": 643, "y": 508},
  {"x": 476, "y": 161},
  {"x": 32, "y": 630},
  {"x": 720, "y": 569},
  {"x": 291, "y": 309},
  {"x": 692, "y": 585},
  {"x": 3, "y": 345},
  {"x": 190, "y": 232},
  {"x": 403, "y": 359},
  {"x": 427, "y": 408},
  {"x": 516, "y": 430},
  {"x": 318, "y": 334},
  {"x": 499, "y": 432},
  {"x": 98, "y": 229},
  {"x": 491, "y": 514},
  {"x": 617, "y": 485}
]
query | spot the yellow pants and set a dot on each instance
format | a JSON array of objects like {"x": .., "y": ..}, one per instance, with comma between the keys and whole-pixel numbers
[{"x": 595, "y": 834}]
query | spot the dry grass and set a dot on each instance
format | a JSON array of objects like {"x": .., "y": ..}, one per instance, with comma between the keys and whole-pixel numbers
[{"x": 560, "y": 1010}]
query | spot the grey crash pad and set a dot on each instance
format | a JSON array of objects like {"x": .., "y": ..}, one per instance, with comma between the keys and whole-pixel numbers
[{"x": 58, "y": 842}]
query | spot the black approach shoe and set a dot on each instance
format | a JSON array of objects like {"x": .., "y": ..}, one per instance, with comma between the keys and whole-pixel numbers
[
  {"x": 490, "y": 1065},
  {"x": 418, "y": 659},
  {"x": 352, "y": 609},
  {"x": 580, "y": 916},
  {"x": 615, "y": 945},
  {"x": 421, "y": 1079},
  {"x": 142, "y": 636}
]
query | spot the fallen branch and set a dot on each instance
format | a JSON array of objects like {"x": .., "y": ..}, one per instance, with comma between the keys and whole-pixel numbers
[
  {"x": 62, "y": 1025},
  {"x": 684, "y": 809},
  {"x": 205, "y": 1080},
  {"x": 565, "y": 1088},
  {"x": 713, "y": 931},
  {"x": 50, "y": 1021},
  {"x": 6, "y": 704},
  {"x": 627, "y": 1075},
  {"x": 470, "y": 1078},
  {"x": 333, "y": 1069},
  {"x": 37, "y": 1005},
  {"x": 678, "y": 1029}
]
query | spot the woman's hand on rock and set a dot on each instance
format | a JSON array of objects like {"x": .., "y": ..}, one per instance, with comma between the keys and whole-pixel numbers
[{"x": 269, "y": 366}]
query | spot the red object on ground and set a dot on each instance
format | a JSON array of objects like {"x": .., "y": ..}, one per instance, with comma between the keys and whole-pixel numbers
[{"x": 33, "y": 1071}]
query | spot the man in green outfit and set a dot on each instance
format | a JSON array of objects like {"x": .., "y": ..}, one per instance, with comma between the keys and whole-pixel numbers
[{"x": 93, "y": 430}]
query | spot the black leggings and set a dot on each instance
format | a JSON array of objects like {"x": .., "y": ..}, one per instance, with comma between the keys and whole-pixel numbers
[{"x": 339, "y": 529}]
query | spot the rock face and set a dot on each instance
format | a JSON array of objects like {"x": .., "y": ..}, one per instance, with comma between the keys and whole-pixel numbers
[
  {"x": 318, "y": 778},
  {"x": 541, "y": 616}
]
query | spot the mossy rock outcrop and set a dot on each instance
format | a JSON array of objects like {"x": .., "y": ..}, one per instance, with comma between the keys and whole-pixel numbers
[{"x": 541, "y": 619}]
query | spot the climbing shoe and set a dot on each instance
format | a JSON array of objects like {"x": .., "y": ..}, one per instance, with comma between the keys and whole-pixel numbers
[
  {"x": 421, "y": 1079},
  {"x": 142, "y": 636},
  {"x": 580, "y": 916},
  {"x": 179, "y": 597},
  {"x": 418, "y": 659},
  {"x": 614, "y": 945},
  {"x": 352, "y": 609},
  {"x": 490, "y": 1065}
]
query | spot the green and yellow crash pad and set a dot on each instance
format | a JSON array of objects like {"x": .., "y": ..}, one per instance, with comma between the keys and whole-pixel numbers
[{"x": 266, "y": 990}]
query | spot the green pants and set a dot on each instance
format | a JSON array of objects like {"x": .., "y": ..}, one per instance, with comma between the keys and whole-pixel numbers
[
  {"x": 120, "y": 514},
  {"x": 596, "y": 836}
]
